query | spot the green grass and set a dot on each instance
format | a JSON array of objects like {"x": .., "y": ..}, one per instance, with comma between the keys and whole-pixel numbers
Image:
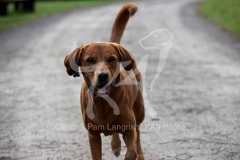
[
  {"x": 42, "y": 8},
  {"x": 224, "y": 12}
]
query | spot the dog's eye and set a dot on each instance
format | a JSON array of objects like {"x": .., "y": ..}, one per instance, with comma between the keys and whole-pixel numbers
[
  {"x": 90, "y": 60},
  {"x": 112, "y": 59}
]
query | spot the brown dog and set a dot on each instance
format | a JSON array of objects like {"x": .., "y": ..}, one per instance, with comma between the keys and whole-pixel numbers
[{"x": 111, "y": 99}]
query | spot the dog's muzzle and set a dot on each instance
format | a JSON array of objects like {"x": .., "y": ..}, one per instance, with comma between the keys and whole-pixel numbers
[
  {"x": 102, "y": 82},
  {"x": 101, "y": 89},
  {"x": 102, "y": 77}
]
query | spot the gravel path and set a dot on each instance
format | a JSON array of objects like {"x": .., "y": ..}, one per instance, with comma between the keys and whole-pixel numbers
[{"x": 196, "y": 96}]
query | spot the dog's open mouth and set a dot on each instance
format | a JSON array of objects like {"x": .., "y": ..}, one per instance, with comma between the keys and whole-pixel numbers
[{"x": 103, "y": 90}]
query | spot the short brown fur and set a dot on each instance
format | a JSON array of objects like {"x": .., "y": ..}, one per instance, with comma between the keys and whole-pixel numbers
[{"x": 128, "y": 96}]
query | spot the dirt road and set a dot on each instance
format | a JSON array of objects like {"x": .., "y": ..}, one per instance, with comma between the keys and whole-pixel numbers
[{"x": 196, "y": 96}]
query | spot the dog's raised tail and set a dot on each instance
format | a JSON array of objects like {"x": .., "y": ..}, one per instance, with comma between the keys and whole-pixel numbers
[{"x": 120, "y": 23}]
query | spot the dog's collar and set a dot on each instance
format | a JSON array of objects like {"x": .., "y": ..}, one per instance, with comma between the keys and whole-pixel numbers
[{"x": 96, "y": 95}]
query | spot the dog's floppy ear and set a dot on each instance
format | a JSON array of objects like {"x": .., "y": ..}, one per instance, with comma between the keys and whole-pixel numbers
[
  {"x": 72, "y": 61},
  {"x": 126, "y": 57}
]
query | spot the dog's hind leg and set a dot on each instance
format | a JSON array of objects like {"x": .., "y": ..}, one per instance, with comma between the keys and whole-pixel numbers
[{"x": 116, "y": 144}]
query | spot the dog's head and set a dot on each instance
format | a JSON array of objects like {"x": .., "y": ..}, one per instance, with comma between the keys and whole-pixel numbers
[{"x": 99, "y": 63}]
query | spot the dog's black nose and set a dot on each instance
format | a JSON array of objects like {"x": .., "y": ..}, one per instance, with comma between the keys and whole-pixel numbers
[{"x": 103, "y": 76}]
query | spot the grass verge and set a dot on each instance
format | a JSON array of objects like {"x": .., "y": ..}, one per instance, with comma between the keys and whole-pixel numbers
[
  {"x": 42, "y": 8},
  {"x": 224, "y": 12}
]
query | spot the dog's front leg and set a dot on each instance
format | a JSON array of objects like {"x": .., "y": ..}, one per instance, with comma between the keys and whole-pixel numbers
[
  {"x": 130, "y": 139},
  {"x": 95, "y": 146}
]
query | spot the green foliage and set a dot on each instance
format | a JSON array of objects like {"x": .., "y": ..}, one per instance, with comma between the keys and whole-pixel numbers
[
  {"x": 225, "y": 12},
  {"x": 42, "y": 8}
]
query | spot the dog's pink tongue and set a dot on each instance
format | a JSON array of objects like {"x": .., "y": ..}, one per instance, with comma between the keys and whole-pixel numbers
[{"x": 103, "y": 90}]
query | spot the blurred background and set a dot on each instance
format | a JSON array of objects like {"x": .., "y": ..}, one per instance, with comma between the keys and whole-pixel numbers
[{"x": 192, "y": 108}]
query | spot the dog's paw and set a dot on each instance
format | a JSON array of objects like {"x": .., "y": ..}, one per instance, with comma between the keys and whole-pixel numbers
[
  {"x": 116, "y": 144},
  {"x": 140, "y": 157},
  {"x": 131, "y": 154},
  {"x": 116, "y": 151}
]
